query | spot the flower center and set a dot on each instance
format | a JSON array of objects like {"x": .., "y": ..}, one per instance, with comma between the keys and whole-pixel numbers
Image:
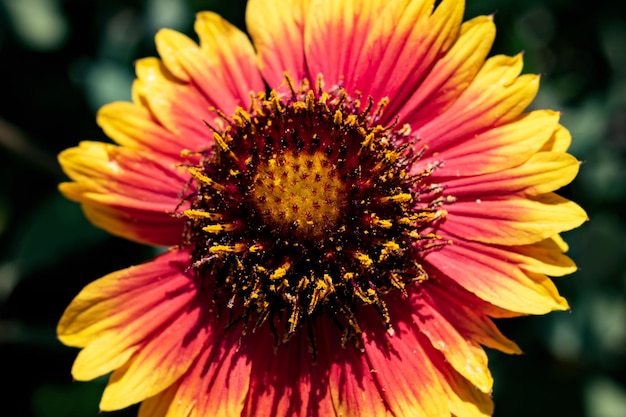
[
  {"x": 306, "y": 207},
  {"x": 299, "y": 193}
]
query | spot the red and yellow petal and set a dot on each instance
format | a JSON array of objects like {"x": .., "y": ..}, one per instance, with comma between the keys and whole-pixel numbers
[
  {"x": 135, "y": 225},
  {"x": 491, "y": 274},
  {"x": 376, "y": 51},
  {"x": 466, "y": 313},
  {"x": 545, "y": 257},
  {"x": 112, "y": 302},
  {"x": 349, "y": 378},
  {"x": 466, "y": 356},
  {"x": 145, "y": 322},
  {"x": 134, "y": 126},
  {"x": 178, "y": 106},
  {"x": 463, "y": 399},
  {"x": 401, "y": 367},
  {"x": 163, "y": 358},
  {"x": 222, "y": 68},
  {"x": 110, "y": 183},
  {"x": 543, "y": 172},
  {"x": 342, "y": 27},
  {"x": 431, "y": 90},
  {"x": 216, "y": 384},
  {"x": 512, "y": 221},
  {"x": 287, "y": 380},
  {"x": 277, "y": 30},
  {"x": 231, "y": 56},
  {"x": 159, "y": 404},
  {"x": 494, "y": 149},
  {"x": 496, "y": 96}
]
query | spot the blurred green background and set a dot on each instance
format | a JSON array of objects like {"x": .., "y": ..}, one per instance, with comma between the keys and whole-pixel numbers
[{"x": 60, "y": 60}]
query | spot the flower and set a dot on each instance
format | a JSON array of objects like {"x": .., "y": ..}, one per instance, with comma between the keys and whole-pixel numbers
[{"x": 347, "y": 201}]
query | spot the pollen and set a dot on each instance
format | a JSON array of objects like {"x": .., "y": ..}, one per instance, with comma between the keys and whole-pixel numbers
[{"x": 304, "y": 208}]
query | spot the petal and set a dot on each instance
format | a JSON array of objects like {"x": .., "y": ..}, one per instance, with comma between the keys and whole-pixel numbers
[
  {"x": 496, "y": 96},
  {"x": 135, "y": 225},
  {"x": 132, "y": 125},
  {"x": 114, "y": 314},
  {"x": 222, "y": 68},
  {"x": 541, "y": 173},
  {"x": 146, "y": 322},
  {"x": 162, "y": 358},
  {"x": 463, "y": 398},
  {"x": 467, "y": 317},
  {"x": 465, "y": 356},
  {"x": 560, "y": 140},
  {"x": 178, "y": 106},
  {"x": 421, "y": 99},
  {"x": 128, "y": 192},
  {"x": 217, "y": 382},
  {"x": 334, "y": 36},
  {"x": 545, "y": 257},
  {"x": 277, "y": 30},
  {"x": 231, "y": 57},
  {"x": 353, "y": 389},
  {"x": 351, "y": 383},
  {"x": 158, "y": 405},
  {"x": 487, "y": 272},
  {"x": 375, "y": 53},
  {"x": 512, "y": 221},
  {"x": 286, "y": 379},
  {"x": 493, "y": 150},
  {"x": 406, "y": 376},
  {"x": 445, "y": 289},
  {"x": 558, "y": 241}
]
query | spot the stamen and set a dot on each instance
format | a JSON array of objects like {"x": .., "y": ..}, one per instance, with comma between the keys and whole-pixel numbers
[
  {"x": 306, "y": 207},
  {"x": 198, "y": 175}
]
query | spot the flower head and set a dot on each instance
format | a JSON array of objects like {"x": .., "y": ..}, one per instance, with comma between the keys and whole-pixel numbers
[{"x": 347, "y": 205}]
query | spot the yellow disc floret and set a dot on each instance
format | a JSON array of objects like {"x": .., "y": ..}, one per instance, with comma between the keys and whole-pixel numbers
[{"x": 301, "y": 193}]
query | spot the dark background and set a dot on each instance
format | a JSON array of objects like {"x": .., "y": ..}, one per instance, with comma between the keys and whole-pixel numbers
[{"x": 60, "y": 60}]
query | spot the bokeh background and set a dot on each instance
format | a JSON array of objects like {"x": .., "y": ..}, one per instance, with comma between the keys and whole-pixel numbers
[{"x": 60, "y": 60}]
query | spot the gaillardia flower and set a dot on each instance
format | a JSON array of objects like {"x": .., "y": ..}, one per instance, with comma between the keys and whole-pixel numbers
[{"x": 348, "y": 199}]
